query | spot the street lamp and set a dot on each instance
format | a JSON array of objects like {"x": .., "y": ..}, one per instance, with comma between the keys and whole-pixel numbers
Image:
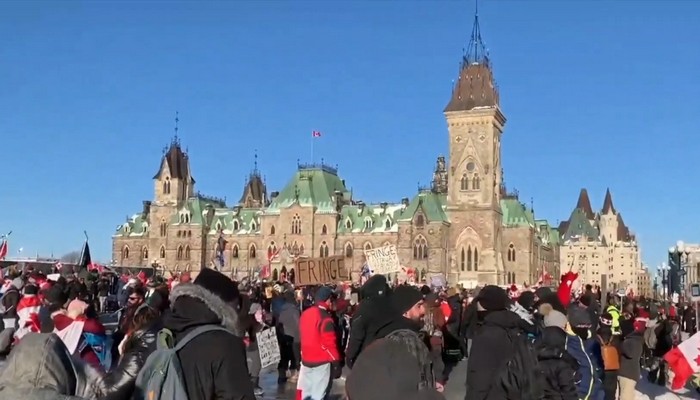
[
  {"x": 678, "y": 267},
  {"x": 664, "y": 279},
  {"x": 656, "y": 285}
]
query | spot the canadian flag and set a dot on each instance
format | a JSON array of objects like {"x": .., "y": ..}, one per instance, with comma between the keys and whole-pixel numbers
[
  {"x": 27, "y": 308},
  {"x": 3, "y": 249},
  {"x": 684, "y": 361},
  {"x": 315, "y": 134}
]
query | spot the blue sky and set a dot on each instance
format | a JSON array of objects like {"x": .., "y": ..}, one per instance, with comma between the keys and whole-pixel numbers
[{"x": 597, "y": 94}]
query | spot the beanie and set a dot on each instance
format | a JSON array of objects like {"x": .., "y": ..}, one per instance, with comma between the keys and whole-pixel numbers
[
  {"x": 405, "y": 297},
  {"x": 555, "y": 318},
  {"x": 493, "y": 298},
  {"x": 324, "y": 293},
  {"x": 218, "y": 284}
]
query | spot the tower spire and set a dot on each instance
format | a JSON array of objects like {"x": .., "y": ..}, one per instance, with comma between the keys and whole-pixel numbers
[
  {"x": 476, "y": 53},
  {"x": 255, "y": 163},
  {"x": 177, "y": 120}
]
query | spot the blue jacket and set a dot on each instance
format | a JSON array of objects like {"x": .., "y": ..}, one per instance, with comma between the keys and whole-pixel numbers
[{"x": 589, "y": 386}]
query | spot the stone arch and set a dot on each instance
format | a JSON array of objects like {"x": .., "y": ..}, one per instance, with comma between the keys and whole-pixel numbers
[{"x": 468, "y": 250}]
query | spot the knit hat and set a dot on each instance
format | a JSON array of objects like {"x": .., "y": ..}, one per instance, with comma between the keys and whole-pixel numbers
[
  {"x": 606, "y": 319},
  {"x": 56, "y": 295},
  {"x": 217, "y": 283},
  {"x": 404, "y": 297},
  {"x": 579, "y": 317},
  {"x": 555, "y": 318},
  {"x": 493, "y": 298},
  {"x": 324, "y": 293},
  {"x": 543, "y": 292}
]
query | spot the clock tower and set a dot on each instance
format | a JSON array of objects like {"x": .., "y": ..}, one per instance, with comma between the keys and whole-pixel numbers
[{"x": 475, "y": 124}]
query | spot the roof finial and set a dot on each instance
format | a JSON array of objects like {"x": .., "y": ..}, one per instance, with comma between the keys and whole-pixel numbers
[
  {"x": 255, "y": 163},
  {"x": 176, "y": 140},
  {"x": 476, "y": 51}
]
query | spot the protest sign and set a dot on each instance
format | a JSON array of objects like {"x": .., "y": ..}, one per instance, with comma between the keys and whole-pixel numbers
[
  {"x": 268, "y": 347},
  {"x": 383, "y": 260},
  {"x": 319, "y": 271}
]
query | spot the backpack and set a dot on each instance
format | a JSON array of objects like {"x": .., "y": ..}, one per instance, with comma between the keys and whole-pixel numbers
[
  {"x": 521, "y": 379},
  {"x": 610, "y": 355},
  {"x": 161, "y": 377},
  {"x": 650, "y": 337},
  {"x": 100, "y": 345}
]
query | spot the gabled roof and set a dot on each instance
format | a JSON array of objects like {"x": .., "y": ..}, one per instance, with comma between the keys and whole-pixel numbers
[{"x": 431, "y": 204}]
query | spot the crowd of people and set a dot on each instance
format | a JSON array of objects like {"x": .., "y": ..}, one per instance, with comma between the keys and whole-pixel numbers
[{"x": 389, "y": 341}]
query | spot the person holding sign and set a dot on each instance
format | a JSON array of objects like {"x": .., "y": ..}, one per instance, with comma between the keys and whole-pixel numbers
[{"x": 320, "y": 357}]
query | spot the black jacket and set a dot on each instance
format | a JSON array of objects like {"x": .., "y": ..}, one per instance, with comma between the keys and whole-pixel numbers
[
  {"x": 557, "y": 366},
  {"x": 632, "y": 347},
  {"x": 119, "y": 383},
  {"x": 490, "y": 350},
  {"x": 213, "y": 364},
  {"x": 10, "y": 300},
  {"x": 374, "y": 313}
]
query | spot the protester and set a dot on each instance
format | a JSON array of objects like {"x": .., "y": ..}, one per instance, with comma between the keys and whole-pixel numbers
[
  {"x": 374, "y": 312},
  {"x": 632, "y": 345}
]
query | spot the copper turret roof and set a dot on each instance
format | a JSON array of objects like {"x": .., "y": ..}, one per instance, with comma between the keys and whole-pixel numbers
[
  {"x": 608, "y": 203},
  {"x": 476, "y": 85},
  {"x": 177, "y": 161},
  {"x": 584, "y": 203}
]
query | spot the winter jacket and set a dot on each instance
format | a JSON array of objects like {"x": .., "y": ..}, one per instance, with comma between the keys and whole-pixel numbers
[
  {"x": 10, "y": 300},
  {"x": 288, "y": 320},
  {"x": 632, "y": 347},
  {"x": 40, "y": 368},
  {"x": 589, "y": 385},
  {"x": 373, "y": 314},
  {"x": 119, "y": 383},
  {"x": 319, "y": 344},
  {"x": 214, "y": 363},
  {"x": 491, "y": 347},
  {"x": 559, "y": 369},
  {"x": 62, "y": 321}
]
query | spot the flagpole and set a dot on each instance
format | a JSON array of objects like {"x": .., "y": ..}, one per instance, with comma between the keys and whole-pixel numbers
[{"x": 313, "y": 140}]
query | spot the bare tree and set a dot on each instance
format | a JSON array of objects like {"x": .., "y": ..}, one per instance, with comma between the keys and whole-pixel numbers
[{"x": 71, "y": 258}]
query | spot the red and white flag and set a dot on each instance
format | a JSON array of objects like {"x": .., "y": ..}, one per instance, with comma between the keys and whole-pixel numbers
[
  {"x": 3, "y": 249},
  {"x": 27, "y": 308},
  {"x": 315, "y": 134},
  {"x": 684, "y": 361}
]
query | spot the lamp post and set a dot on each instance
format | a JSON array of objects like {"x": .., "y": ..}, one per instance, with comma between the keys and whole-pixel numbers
[
  {"x": 664, "y": 280},
  {"x": 656, "y": 285},
  {"x": 677, "y": 262}
]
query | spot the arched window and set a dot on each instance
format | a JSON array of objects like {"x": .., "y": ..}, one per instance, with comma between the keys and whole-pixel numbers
[
  {"x": 461, "y": 260},
  {"x": 419, "y": 220},
  {"x": 187, "y": 252},
  {"x": 163, "y": 228},
  {"x": 387, "y": 224},
  {"x": 323, "y": 250},
  {"x": 296, "y": 225},
  {"x": 368, "y": 223},
  {"x": 144, "y": 253},
  {"x": 218, "y": 226},
  {"x": 234, "y": 250},
  {"x": 476, "y": 259},
  {"x": 469, "y": 258},
  {"x": 464, "y": 183},
  {"x": 420, "y": 248},
  {"x": 125, "y": 252},
  {"x": 368, "y": 246},
  {"x": 189, "y": 233},
  {"x": 348, "y": 249},
  {"x": 179, "y": 253},
  {"x": 324, "y": 230},
  {"x": 236, "y": 225},
  {"x": 272, "y": 230},
  {"x": 271, "y": 250},
  {"x": 511, "y": 252},
  {"x": 179, "y": 233},
  {"x": 166, "y": 186},
  {"x": 348, "y": 224},
  {"x": 252, "y": 252},
  {"x": 162, "y": 252},
  {"x": 475, "y": 182}
]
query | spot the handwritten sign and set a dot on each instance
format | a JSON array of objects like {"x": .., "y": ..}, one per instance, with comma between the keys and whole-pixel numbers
[
  {"x": 319, "y": 271},
  {"x": 383, "y": 260},
  {"x": 268, "y": 347}
]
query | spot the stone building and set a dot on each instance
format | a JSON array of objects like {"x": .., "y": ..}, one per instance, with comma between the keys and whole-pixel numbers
[
  {"x": 644, "y": 283},
  {"x": 597, "y": 244},
  {"x": 465, "y": 226}
]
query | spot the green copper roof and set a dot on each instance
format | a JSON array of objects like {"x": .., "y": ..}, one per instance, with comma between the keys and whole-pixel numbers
[
  {"x": 313, "y": 185},
  {"x": 515, "y": 214},
  {"x": 369, "y": 218},
  {"x": 432, "y": 205},
  {"x": 579, "y": 226},
  {"x": 547, "y": 234},
  {"x": 135, "y": 226},
  {"x": 244, "y": 222}
]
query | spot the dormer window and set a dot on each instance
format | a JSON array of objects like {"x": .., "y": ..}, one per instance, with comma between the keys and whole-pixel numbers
[
  {"x": 236, "y": 225},
  {"x": 368, "y": 223},
  {"x": 253, "y": 226},
  {"x": 348, "y": 224},
  {"x": 387, "y": 224},
  {"x": 419, "y": 221},
  {"x": 218, "y": 226}
]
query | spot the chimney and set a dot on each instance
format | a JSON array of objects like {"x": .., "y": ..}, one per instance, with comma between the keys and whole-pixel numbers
[
  {"x": 361, "y": 205},
  {"x": 146, "y": 207},
  {"x": 273, "y": 195},
  {"x": 237, "y": 210},
  {"x": 405, "y": 202},
  {"x": 210, "y": 215},
  {"x": 384, "y": 205}
]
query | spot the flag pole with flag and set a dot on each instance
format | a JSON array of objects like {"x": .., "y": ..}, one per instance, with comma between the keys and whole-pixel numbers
[
  {"x": 3, "y": 246},
  {"x": 684, "y": 361},
  {"x": 314, "y": 135}
]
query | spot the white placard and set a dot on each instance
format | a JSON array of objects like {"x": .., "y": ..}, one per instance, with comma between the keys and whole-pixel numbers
[
  {"x": 383, "y": 260},
  {"x": 268, "y": 347}
]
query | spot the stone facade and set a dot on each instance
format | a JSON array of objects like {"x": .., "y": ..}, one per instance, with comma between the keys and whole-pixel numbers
[
  {"x": 644, "y": 283},
  {"x": 466, "y": 226},
  {"x": 596, "y": 244}
]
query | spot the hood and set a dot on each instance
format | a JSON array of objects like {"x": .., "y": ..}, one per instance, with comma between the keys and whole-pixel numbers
[
  {"x": 192, "y": 305},
  {"x": 503, "y": 318},
  {"x": 40, "y": 361},
  {"x": 522, "y": 313},
  {"x": 374, "y": 287}
]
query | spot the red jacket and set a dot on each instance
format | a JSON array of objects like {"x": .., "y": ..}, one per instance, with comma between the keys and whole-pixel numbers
[{"x": 318, "y": 340}]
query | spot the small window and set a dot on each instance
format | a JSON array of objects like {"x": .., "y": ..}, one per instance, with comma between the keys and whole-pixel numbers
[
  {"x": 296, "y": 225},
  {"x": 324, "y": 230},
  {"x": 162, "y": 251},
  {"x": 419, "y": 221},
  {"x": 387, "y": 224},
  {"x": 420, "y": 248},
  {"x": 180, "y": 253},
  {"x": 348, "y": 224},
  {"x": 348, "y": 250},
  {"x": 272, "y": 230},
  {"x": 236, "y": 225},
  {"x": 234, "y": 251},
  {"x": 187, "y": 252},
  {"x": 464, "y": 183},
  {"x": 323, "y": 250},
  {"x": 368, "y": 223},
  {"x": 189, "y": 233},
  {"x": 218, "y": 226},
  {"x": 253, "y": 226},
  {"x": 368, "y": 246},
  {"x": 144, "y": 253},
  {"x": 125, "y": 252},
  {"x": 179, "y": 233},
  {"x": 252, "y": 252}
]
